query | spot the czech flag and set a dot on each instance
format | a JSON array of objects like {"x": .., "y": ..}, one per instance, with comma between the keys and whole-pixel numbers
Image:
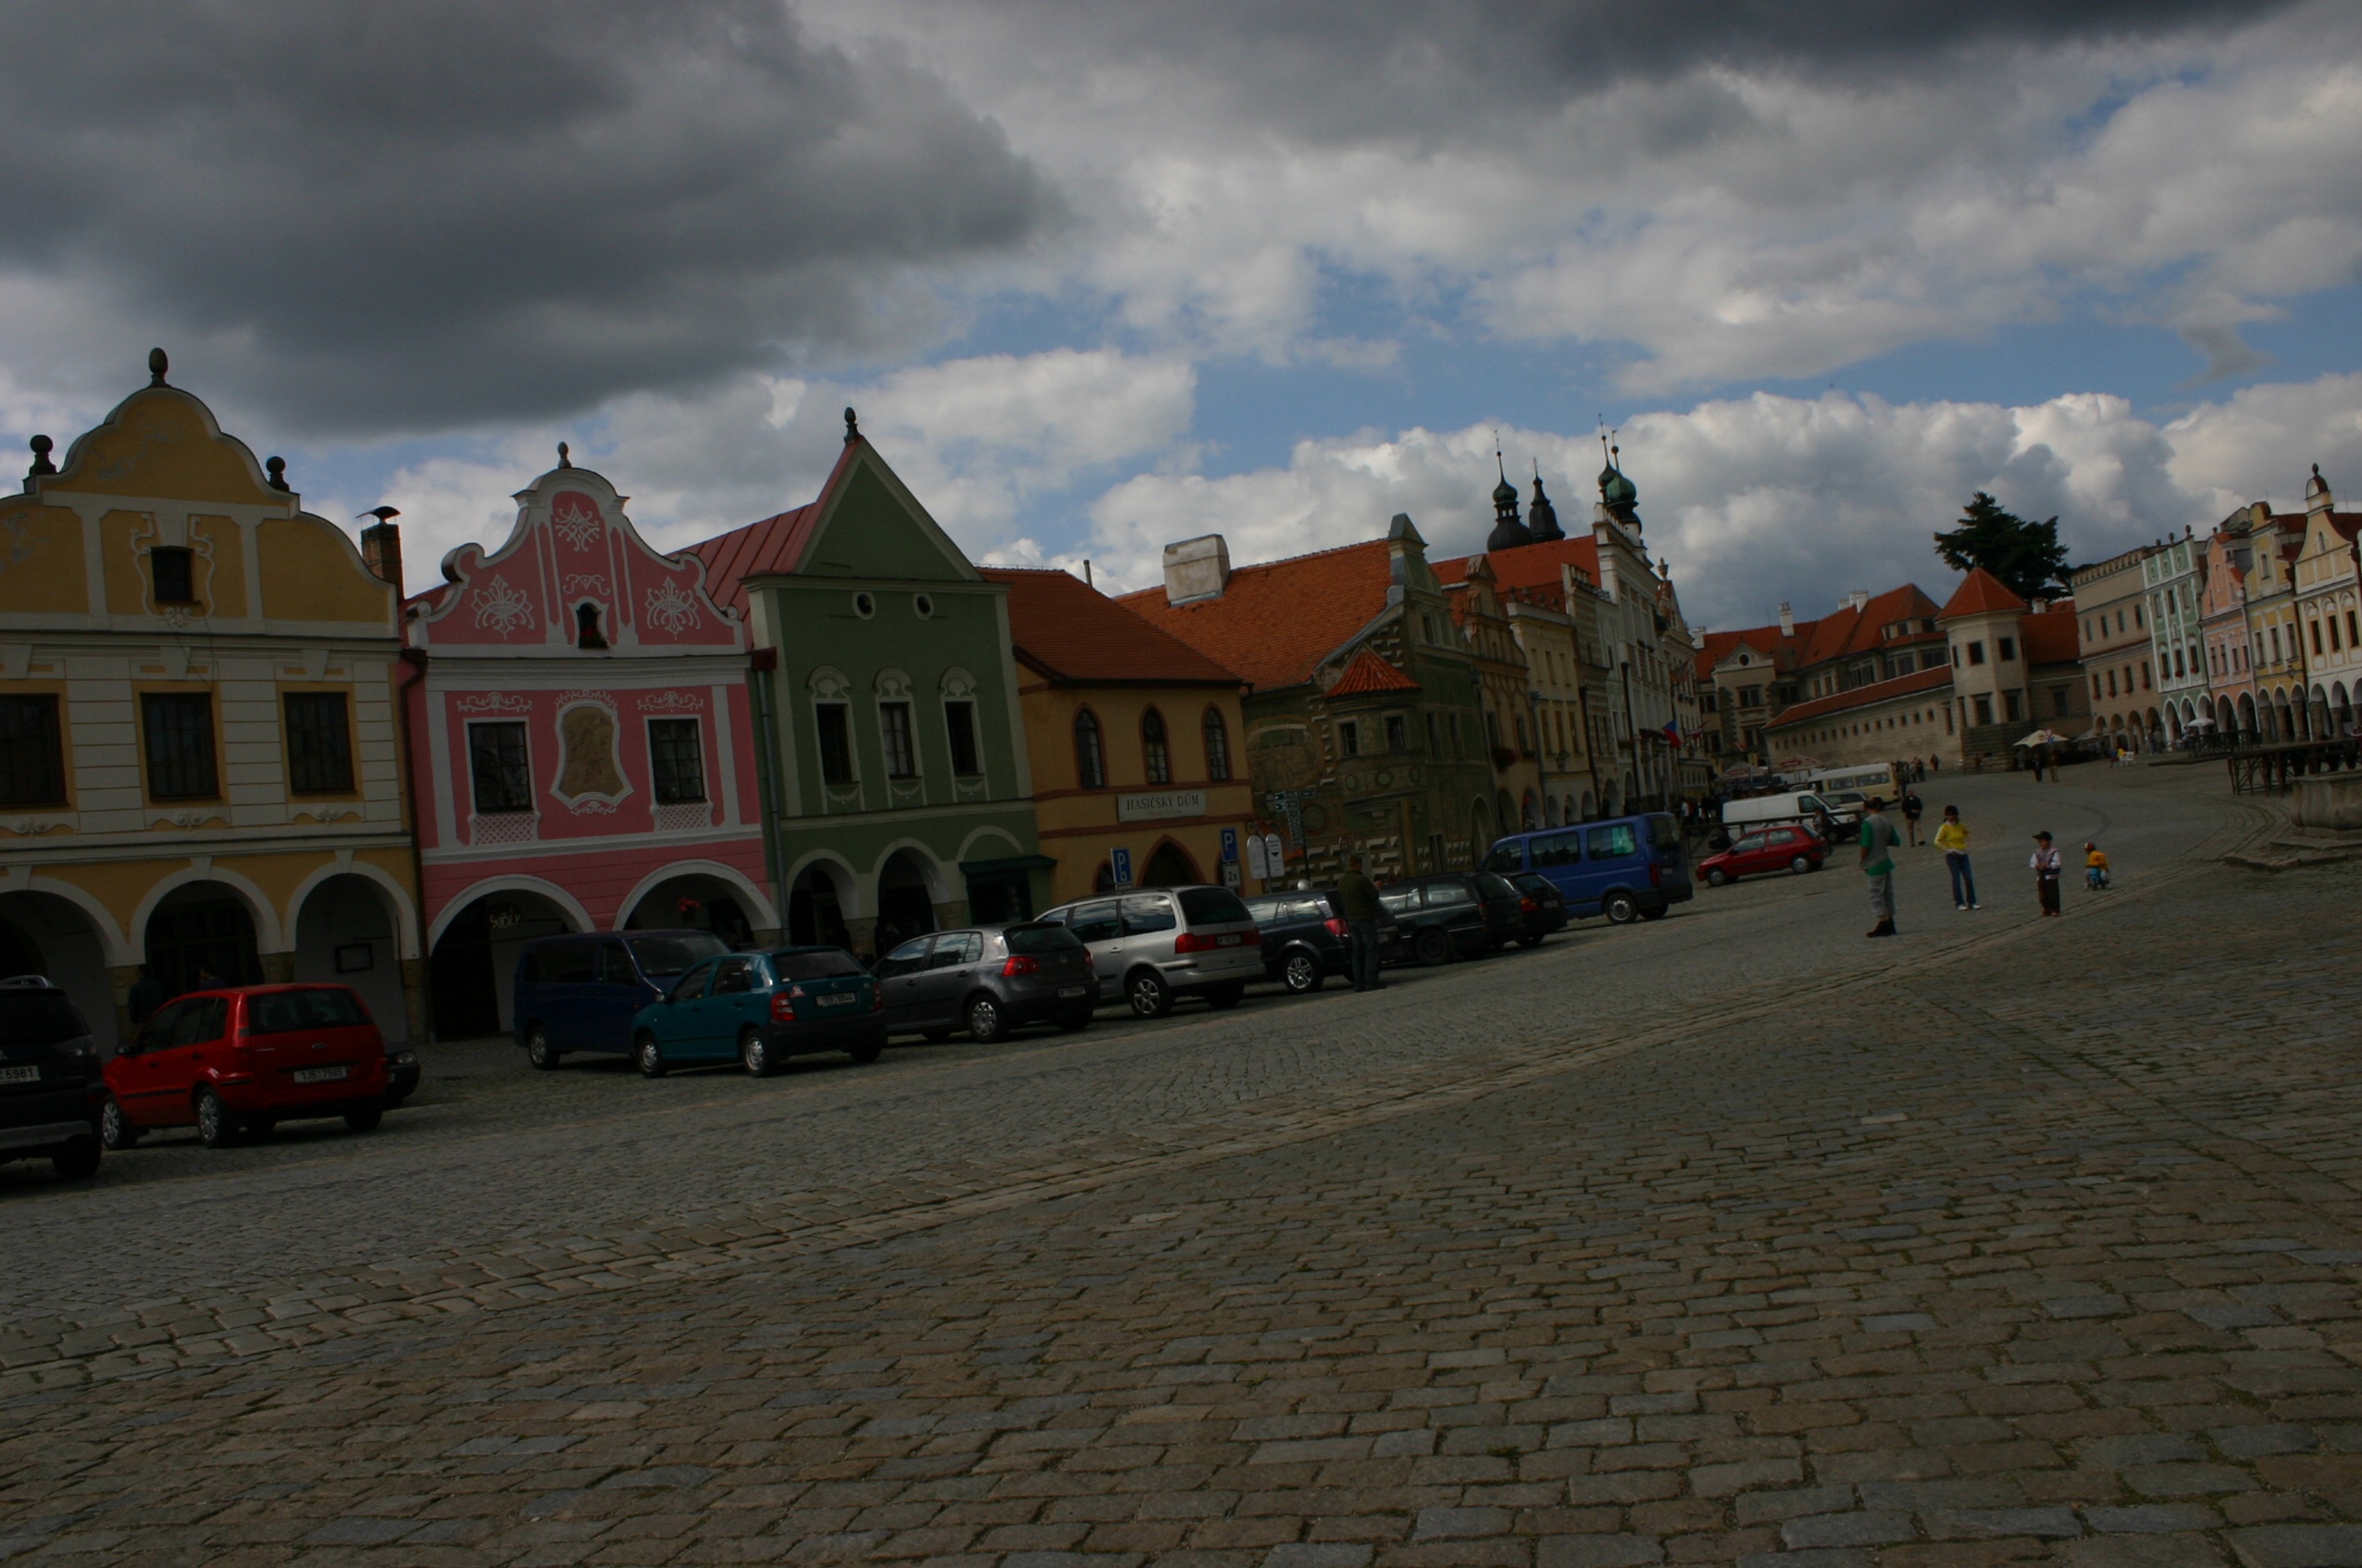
[{"x": 1672, "y": 731}]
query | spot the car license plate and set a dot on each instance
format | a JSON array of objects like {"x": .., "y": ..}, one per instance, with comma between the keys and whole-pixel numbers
[
  {"x": 320, "y": 1074},
  {"x": 1228, "y": 939},
  {"x": 1073, "y": 990},
  {"x": 20, "y": 1075},
  {"x": 844, "y": 1000}
]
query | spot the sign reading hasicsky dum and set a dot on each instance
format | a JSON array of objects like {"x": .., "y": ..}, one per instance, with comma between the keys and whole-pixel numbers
[{"x": 1157, "y": 804}]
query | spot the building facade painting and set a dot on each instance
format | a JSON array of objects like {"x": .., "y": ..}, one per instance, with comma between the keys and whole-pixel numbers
[
  {"x": 200, "y": 766},
  {"x": 2329, "y": 611},
  {"x": 584, "y": 746}
]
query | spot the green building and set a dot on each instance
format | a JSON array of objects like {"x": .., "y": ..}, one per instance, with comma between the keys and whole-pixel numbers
[{"x": 899, "y": 798}]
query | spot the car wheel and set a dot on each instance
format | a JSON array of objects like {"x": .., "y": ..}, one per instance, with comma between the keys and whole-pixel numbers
[
  {"x": 364, "y": 1118},
  {"x": 649, "y": 1056},
  {"x": 1301, "y": 974},
  {"x": 1223, "y": 997},
  {"x": 216, "y": 1123},
  {"x": 1076, "y": 1024},
  {"x": 114, "y": 1129},
  {"x": 1619, "y": 908},
  {"x": 1802, "y": 864},
  {"x": 869, "y": 1050},
  {"x": 1432, "y": 948},
  {"x": 984, "y": 1020},
  {"x": 537, "y": 1049},
  {"x": 1149, "y": 994},
  {"x": 754, "y": 1053},
  {"x": 1716, "y": 878},
  {"x": 1529, "y": 941},
  {"x": 77, "y": 1159}
]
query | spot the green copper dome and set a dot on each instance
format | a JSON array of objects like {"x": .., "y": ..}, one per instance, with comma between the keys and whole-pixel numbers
[{"x": 1614, "y": 489}]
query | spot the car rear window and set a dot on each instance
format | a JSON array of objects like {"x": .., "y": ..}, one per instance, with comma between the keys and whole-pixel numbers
[
  {"x": 1664, "y": 831},
  {"x": 663, "y": 956},
  {"x": 1037, "y": 939},
  {"x": 38, "y": 1018},
  {"x": 1263, "y": 911},
  {"x": 826, "y": 964},
  {"x": 1506, "y": 857},
  {"x": 1212, "y": 905},
  {"x": 283, "y": 1012},
  {"x": 1496, "y": 887}
]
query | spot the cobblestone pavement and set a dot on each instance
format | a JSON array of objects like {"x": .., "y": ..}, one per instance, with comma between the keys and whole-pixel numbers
[{"x": 1725, "y": 1238}]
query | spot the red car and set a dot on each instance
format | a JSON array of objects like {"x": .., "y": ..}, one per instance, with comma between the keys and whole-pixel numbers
[
  {"x": 1769, "y": 849},
  {"x": 243, "y": 1060}
]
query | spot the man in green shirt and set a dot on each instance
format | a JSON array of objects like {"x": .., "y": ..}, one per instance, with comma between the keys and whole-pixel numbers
[
  {"x": 1357, "y": 902},
  {"x": 1878, "y": 840}
]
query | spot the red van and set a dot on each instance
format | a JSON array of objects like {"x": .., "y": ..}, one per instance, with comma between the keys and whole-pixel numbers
[{"x": 243, "y": 1060}]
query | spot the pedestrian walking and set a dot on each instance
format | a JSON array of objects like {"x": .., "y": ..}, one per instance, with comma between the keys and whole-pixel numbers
[
  {"x": 1911, "y": 810},
  {"x": 2095, "y": 866},
  {"x": 1953, "y": 840},
  {"x": 1878, "y": 864},
  {"x": 2046, "y": 864},
  {"x": 1357, "y": 900},
  {"x": 147, "y": 993}
]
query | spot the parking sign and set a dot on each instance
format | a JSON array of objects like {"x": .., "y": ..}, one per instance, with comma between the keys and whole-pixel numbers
[
  {"x": 1121, "y": 861},
  {"x": 1229, "y": 844}
]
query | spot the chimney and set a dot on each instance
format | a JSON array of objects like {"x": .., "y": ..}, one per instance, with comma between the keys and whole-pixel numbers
[
  {"x": 1787, "y": 620},
  {"x": 381, "y": 551},
  {"x": 1196, "y": 570},
  {"x": 1857, "y": 598}
]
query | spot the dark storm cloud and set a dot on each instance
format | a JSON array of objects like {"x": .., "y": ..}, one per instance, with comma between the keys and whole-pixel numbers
[{"x": 421, "y": 214}]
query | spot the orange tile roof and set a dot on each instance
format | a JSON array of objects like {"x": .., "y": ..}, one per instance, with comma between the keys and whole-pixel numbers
[
  {"x": 2052, "y": 637},
  {"x": 1980, "y": 593},
  {"x": 1369, "y": 673},
  {"x": 1069, "y": 631},
  {"x": 1275, "y": 623},
  {"x": 1865, "y": 696},
  {"x": 1530, "y": 566}
]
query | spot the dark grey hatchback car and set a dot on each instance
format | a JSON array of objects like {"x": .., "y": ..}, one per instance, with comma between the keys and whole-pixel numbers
[{"x": 989, "y": 979}]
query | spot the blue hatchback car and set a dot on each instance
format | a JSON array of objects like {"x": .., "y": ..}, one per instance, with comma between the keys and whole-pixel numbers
[
  {"x": 580, "y": 993},
  {"x": 759, "y": 1009},
  {"x": 1625, "y": 867}
]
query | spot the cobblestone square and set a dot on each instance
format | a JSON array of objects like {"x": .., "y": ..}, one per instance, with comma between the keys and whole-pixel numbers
[{"x": 1726, "y": 1238}]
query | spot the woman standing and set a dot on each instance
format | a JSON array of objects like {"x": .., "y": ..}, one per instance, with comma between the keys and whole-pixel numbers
[{"x": 1953, "y": 840}]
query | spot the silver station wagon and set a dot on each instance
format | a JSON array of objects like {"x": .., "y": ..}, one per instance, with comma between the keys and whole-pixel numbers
[{"x": 1151, "y": 945}]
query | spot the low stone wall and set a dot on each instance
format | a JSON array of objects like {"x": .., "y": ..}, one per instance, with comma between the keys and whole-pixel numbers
[{"x": 2329, "y": 803}]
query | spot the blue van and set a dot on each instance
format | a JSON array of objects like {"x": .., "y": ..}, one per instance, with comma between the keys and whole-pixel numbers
[
  {"x": 579, "y": 993},
  {"x": 1625, "y": 867}
]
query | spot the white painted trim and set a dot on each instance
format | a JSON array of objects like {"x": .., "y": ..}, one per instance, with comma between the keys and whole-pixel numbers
[
  {"x": 119, "y": 950},
  {"x": 769, "y": 916},
  {"x": 405, "y": 913},
  {"x": 937, "y": 886},
  {"x": 847, "y": 880},
  {"x": 509, "y": 882},
  {"x": 269, "y": 936},
  {"x": 968, "y": 843},
  {"x": 726, "y": 755}
]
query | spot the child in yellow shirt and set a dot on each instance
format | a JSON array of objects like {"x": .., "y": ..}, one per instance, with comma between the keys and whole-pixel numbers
[{"x": 2095, "y": 866}]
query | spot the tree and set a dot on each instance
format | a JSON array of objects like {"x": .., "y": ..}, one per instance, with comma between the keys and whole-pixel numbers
[{"x": 2027, "y": 556}]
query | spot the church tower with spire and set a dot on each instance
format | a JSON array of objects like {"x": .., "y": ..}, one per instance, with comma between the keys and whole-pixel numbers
[
  {"x": 1542, "y": 517},
  {"x": 1507, "y": 532}
]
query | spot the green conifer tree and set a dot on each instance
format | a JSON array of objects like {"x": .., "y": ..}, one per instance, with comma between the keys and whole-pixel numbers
[{"x": 2025, "y": 556}]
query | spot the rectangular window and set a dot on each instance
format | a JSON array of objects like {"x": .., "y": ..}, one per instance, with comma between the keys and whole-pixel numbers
[
  {"x": 1976, "y": 653},
  {"x": 1984, "y": 709},
  {"x": 179, "y": 731},
  {"x": 1349, "y": 739},
  {"x": 2008, "y": 649},
  {"x": 2059, "y": 700},
  {"x": 677, "y": 761},
  {"x": 1433, "y": 748},
  {"x": 32, "y": 754},
  {"x": 2316, "y": 636},
  {"x": 1458, "y": 747},
  {"x": 895, "y": 736},
  {"x": 1397, "y": 733},
  {"x": 2353, "y": 631},
  {"x": 959, "y": 723},
  {"x": 503, "y": 772},
  {"x": 173, "y": 572},
  {"x": 1614, "y": 842},
  {"x": 2009, "y": 707},
  {"x": 319, "y": 745},
  {"x": 2144, "y": 675},
  {"x": 835, "y": 743}
]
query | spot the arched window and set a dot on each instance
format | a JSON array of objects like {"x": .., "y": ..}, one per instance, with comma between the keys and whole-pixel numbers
[
  {"x": 1218, "y": 746},
  {"x": 1153, "y": 752},
  {"x": 1090, "y": 760},
  {"x": 586, "y": 627}
]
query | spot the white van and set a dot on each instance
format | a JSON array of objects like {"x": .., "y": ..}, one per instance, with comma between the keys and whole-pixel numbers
[
  {"x": 1797, "y": 806},
  {"x": 1871, "y": 778}
]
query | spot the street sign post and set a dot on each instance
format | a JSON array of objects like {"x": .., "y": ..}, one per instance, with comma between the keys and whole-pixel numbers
[{"x": 1120, "y": 861}]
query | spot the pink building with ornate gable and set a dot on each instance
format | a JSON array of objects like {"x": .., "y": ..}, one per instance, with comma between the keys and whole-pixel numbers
[{"x": 582, "y": 747}]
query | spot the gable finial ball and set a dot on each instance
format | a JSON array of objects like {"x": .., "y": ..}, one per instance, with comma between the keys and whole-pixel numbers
[
  {"x": 277, "y": 469},
  {"x": 157, "y": 365},
  {"x": 41, "y": 446},
  {"x": 852, "y": 427},
  {"x": 565, "y": 455}
]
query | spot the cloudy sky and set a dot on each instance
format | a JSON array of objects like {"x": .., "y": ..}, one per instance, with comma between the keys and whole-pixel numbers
[{"x": 1099, "y": 277}]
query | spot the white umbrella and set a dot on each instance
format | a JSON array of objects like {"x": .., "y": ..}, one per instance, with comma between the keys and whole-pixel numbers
[
  {"x": 2200, "y": 723},
  {"x": 2043, "y": 737}
]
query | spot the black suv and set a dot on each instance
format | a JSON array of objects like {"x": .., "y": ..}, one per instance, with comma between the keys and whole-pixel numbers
[
  {"x": 1305, "y": 939},
  {"x": 50, "y": 1091},
  {"x": 1467, "y": 912},
  {"x": 1543, "y": 905}
]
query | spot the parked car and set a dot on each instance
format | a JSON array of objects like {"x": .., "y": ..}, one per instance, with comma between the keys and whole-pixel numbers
[
  {"x": 1154, "y": 946},
  {"x": 581, "y": 992},
  {"x": 238, "y": 1061},
  {"x": 1626, "y": 867},
  {"x": 989, "y": 979},
  {"x": 52, "y": 1090},
  {"x": 1468, "y": 913},
  {"x": 1543, "y": 906},
  {"x": 1305, "y": 939},
  {"x": 1773, "y": 849},
  {"x": 759, "y": 1009}
]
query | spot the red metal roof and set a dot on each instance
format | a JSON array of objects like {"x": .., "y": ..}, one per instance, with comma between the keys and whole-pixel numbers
[
  {"x": 1068, "y": 631},
  {"x": 774, "y": 544},
  {"x": 1276, "y": 622},
  {"x": 1865, "y": 696},
  {"x": 1369, "y": 673}
]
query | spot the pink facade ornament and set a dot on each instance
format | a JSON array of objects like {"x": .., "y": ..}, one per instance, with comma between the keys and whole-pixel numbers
[
  {"x": 671, "y": 609},
  {"x": 493, "y": 702},
  {"x": 575, "y": 520},
  {"x": 500, "y": 608},
  {"x": 583, "y": 582},
  {"x": 674, "y": 702}
]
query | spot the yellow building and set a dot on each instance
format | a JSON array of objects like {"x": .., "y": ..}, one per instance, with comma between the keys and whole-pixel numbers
[
  {"x": 199, "y": 765},
  {"x": 1134, "y": 740}
]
